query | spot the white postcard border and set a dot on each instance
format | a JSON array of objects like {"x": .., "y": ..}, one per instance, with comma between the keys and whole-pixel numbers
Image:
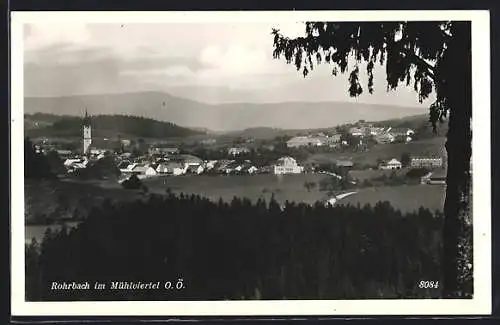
[{"x": 479, "y": 305}]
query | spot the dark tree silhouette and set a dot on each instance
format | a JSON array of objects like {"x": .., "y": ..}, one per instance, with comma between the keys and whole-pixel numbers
[
  {"x": 405, "y": 159},
  {"x": 240, "y": 250},
  {"x": 104, "y": 168},
  {"x": 36, "y": 165},
  {"x": 132, "y": 183},
  {"x": 430, "y": 56}
]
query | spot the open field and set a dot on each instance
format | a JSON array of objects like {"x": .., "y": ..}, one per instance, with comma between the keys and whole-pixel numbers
[
  {"x": 62, "y": 198},
  {"x": 291, "y": 187},
  {"x": 47, "y": 198},
  {"x": 406, "y": 198},
  {"x": 368, "y": 174},
  {"x": 432, "y": 146},
  {"x": 288, "y": 187}
]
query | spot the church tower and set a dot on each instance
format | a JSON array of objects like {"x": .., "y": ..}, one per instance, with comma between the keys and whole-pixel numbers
[{"x": 87, "y": 135}]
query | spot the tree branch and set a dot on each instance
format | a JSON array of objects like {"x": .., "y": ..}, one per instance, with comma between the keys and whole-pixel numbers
[{"x": 425, "y": 66}]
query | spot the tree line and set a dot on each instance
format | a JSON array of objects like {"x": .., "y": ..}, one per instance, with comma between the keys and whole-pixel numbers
[
  {"x": 241, "y": 250},
  {"x": 116, "y": 124}
]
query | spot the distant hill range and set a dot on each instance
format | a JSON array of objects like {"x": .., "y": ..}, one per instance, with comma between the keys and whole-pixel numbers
[
  {"x": 419, "y": 123},
  {"x": 50, "y": 125},
  {"x": 222, "y": 117}
]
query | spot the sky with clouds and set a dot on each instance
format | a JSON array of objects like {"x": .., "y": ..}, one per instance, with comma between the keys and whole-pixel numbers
[{"x": 210, "y": 62}]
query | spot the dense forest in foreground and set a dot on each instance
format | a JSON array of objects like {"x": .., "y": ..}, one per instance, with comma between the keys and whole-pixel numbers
[{"x": 240, "y": 250}]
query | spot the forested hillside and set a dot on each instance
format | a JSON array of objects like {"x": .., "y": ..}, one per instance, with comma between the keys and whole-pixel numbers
[{"x": 102, "y": 125}]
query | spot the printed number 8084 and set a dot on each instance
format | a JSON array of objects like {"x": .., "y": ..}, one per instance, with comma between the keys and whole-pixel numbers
[{"x": 428, "y": 284}]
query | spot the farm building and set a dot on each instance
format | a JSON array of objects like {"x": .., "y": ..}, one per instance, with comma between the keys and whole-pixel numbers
[
  {"x": 437, "y": 178},
  {"x": 194, "y": 169},
  {"x": 171, "y": 168},
  {"x": 304, "y": 141},
  {"x": 384, "y": 138},
  {"x": 144, "y": 169}
]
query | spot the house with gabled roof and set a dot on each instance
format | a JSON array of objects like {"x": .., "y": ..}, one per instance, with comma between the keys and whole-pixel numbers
[
  {"x": 171, "y": 168},
  {"x": 194, "y": 169}
]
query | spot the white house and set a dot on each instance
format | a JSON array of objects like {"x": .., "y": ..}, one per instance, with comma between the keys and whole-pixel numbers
[
  {"x": 150, "y": 171},
  {"x": 71, "y": 161},
  {"x": 237, "y": 151},
  {"x": 437, "y": 178},
  {"x": 392, "y": 164},
  {"x": 287, "y": 165},
  {"x": 171, "y": 168},
  {"x": 252, "y": 169},
  {"x": 195, "y": 169}
]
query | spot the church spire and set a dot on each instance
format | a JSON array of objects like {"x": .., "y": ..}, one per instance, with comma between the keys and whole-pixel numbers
[{"x": 86, "y": 119}]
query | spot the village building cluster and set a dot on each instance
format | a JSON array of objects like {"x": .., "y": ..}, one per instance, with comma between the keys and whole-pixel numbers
[{"x": 169, "y": 161}]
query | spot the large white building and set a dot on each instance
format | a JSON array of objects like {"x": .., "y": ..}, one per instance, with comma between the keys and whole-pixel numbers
[
  {"x": 391, "y": 164},
  {"x": 426, "y": 162},
  {"x": 287, "y": 165}
]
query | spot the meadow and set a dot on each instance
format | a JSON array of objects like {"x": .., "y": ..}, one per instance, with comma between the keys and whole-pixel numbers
[
  {"x": 426, "y": 147},
  {"x": 67, "y": 200},
  {"x": 407, "y": 198},
  {"x": 288, "y": 187}
]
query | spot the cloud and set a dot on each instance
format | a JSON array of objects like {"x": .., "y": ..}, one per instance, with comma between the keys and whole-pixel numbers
[
  {"x": 219, "y": 61},
  {"x": 42, "y": 35},
  {"x": 68, "y": 69},
  {"x": 240, "y": 59}
]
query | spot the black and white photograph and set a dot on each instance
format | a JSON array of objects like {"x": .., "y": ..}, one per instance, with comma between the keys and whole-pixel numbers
[{"x": 250, "y": 163}]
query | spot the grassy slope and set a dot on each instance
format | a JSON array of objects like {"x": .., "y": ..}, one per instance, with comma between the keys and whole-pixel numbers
[
  {"x": 407, "y": 198},
  {"x": 44, "y": 197},
  {"x": 290, "y": 187},
  {"x": 432, "y": 146}
]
